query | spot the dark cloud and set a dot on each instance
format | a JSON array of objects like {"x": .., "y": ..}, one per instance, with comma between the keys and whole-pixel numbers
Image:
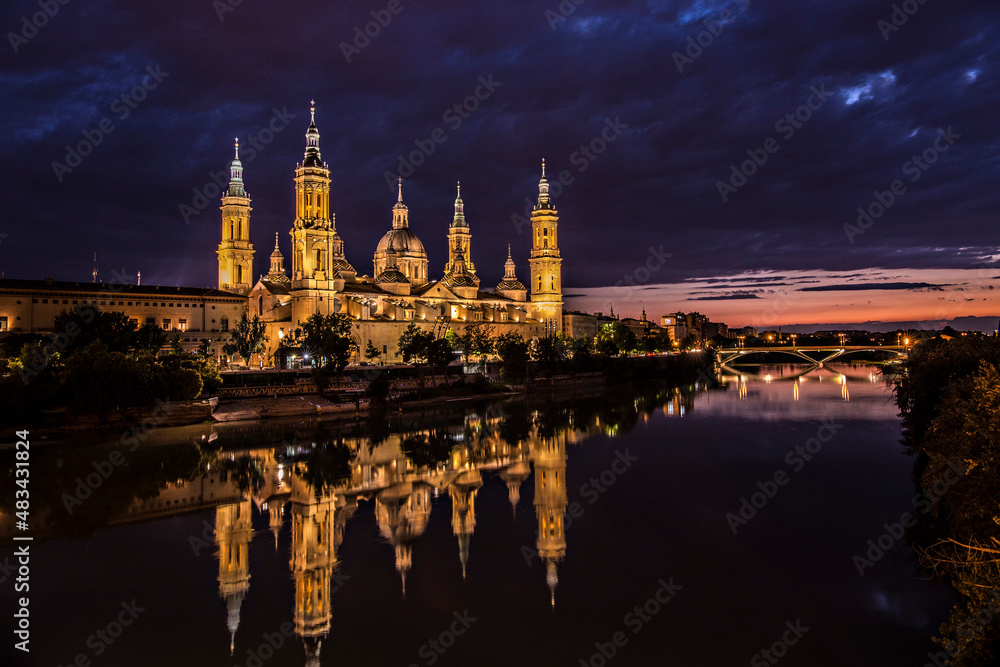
[
  {"x": 875, "y": 286},
  {"x": 726, "y": 297},
  {"x": 654, "y": 185}
]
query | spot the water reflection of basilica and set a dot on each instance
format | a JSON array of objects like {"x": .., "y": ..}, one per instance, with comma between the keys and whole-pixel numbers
[{"x": 402, "y": 495}]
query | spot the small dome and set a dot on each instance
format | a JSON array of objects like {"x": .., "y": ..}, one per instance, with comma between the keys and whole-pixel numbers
[
  {"x": 460, "y": 280},
  {"x": 391, "y": 275},
  {"x": 510, "y": 285},
  {"x": 342, "y": 265}
]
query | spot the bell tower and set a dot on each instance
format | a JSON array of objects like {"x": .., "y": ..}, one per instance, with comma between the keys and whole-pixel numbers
[
  {"x": 544, "y": 261},
  {"x": 313, "y": 231},
  {"x": 235, "y": 250},
  {"x": 460, "y": 240}
]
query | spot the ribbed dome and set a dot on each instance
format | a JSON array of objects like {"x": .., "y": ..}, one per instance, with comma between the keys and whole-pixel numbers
[
  {"x": 342, "y": 265},
  {"x": 404, "y": 242},
  {"x": 460, "y": 280},
  {"x": 391, "y": 275},
  {"x": 506, "y": 285}
]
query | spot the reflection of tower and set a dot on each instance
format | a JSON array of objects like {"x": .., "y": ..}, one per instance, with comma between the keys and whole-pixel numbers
[
  {"x": 514, "y": 476},
  {"x": 463, "y": 511},
  {"x": 276, "y": 518},
  {"x": 549, "y": 455},
  {"x": 232, "y": 535},
  {"x": 402, "y": 513},
  {"x": 313, "y": 560}
]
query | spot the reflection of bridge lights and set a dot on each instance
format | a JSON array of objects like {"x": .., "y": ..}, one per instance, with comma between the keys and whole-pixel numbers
[{"x": 767, "y": 378}]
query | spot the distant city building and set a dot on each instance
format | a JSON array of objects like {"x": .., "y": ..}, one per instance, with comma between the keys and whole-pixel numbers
[{"x": 192, "y": 313}]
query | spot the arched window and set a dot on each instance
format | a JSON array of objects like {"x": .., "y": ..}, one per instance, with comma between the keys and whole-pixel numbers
[
  {"x": 239, "y": 274},
  {"x": 260, "y": 306},
  {"x": 553, "y": 283},
  {"x": 539, "y": 283}
]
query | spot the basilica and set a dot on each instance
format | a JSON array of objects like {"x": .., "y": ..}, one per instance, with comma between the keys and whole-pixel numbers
[{"x": 400, "y": 289}]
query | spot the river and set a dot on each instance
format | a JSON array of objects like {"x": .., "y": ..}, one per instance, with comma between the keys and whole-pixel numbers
[{"x": 644, "y": 527}]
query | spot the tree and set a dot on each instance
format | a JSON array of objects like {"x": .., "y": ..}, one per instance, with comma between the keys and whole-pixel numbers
[
  {"x": 439, "y": 353},
  {"x": 150, "y": 338},
  {"x": 412, "y": 344},
  {"x": 329, "y": 339},
  {"x": 478, "y": 341},
  {"x": 248, "y": 338},
  {"x": 615, "y": 338},
  {"x": 371, "y": 352},
  {"x": 513, "y": 352}
]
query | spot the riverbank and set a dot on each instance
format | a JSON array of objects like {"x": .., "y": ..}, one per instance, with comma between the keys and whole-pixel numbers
[{"x": 350, "y": 401}]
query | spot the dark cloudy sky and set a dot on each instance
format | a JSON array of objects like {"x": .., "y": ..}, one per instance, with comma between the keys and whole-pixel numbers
[{"x": 558, "y": 85}]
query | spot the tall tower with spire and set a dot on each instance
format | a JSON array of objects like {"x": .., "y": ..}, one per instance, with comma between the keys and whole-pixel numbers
[
  {"x": 460, "y": 240},
  {"x": 235, "y": 250},
  {"x": 313, "y": 230},
  {"x": 545, "y": 261}
]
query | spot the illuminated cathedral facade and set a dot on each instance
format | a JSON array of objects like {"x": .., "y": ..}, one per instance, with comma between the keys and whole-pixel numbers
[{"x": 400, "y": 289}]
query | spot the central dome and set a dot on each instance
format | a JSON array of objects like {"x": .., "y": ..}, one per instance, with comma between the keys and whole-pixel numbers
[{"x": 403, "y": 241}]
